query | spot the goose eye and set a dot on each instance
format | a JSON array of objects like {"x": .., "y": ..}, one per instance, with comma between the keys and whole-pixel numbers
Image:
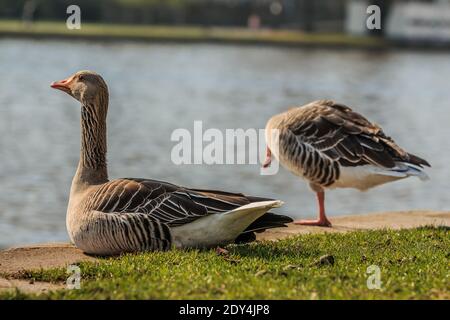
[{"x": 80, "y": 77}]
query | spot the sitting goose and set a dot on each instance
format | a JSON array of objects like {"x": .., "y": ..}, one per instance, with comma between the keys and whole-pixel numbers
[
  {"x": 128, "y": 215},
  {"x": 332, "y": 146}
]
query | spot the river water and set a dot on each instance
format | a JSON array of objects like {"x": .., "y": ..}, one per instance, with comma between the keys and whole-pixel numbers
[{"x": 157, "y": 88}]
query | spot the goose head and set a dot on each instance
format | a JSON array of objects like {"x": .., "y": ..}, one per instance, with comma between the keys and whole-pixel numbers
[{"x": 85, "y": 86}]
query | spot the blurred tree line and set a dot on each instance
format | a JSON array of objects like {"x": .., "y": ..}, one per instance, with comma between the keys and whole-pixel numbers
[{"x": 310, "y": 15}]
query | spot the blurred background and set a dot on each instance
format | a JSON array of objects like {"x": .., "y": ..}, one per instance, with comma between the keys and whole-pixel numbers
[{"x": 229, "y": 63}]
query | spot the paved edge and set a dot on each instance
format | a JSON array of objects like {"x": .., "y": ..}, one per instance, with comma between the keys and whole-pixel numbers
[{"x": 373, "y": 221}]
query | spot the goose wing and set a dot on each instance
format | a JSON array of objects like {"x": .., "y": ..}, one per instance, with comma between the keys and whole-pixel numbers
[
  {"x": 170, "y": 204},
  {"x": 345, "y": 136}
]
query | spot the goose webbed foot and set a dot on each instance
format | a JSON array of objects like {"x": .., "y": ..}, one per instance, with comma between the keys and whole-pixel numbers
[{"x": 319, "y": 222}]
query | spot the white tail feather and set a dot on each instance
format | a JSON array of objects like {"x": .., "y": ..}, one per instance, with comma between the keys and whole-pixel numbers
[
  {"x": 257, "y": 206},
  {"x": 417, "y": 172},
  {"x": 221, "y": 228},
  {"x": 403, "y": 169}
]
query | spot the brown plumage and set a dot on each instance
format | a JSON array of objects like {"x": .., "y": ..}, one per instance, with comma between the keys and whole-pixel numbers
[
  {"x": 346, "y": 136},
  {"x": 333, "y": 146}
]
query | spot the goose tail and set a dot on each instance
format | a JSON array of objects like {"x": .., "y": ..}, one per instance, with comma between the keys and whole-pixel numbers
[
  {"x": 236, "y": 225},
  {"x": 254, "y": 217},
  {"x": 259, "y": 219},
  {"x": 417, "y": 172},
  {"x": 402, "y": 170}
]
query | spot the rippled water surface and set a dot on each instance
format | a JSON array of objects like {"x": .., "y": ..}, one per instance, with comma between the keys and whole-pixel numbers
[{"x": 156, "y": 89}]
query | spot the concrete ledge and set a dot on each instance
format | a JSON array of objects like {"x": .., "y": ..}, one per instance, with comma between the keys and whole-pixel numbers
[
  {"x": 37, "y": 256},
  {"x": 373, "y": 221}
]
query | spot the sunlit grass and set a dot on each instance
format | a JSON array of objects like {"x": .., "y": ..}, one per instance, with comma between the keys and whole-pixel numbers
[
  {"x": 414, "y": 264},
  {"x": 184, "y": 33}
]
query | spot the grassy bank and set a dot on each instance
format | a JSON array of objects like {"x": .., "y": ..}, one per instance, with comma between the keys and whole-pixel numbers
[
  {"x": 413, "y": 263},
  {"x": 91, "y": 31}
]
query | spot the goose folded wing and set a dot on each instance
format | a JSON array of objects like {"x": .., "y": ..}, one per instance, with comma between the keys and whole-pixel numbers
[
  {"x": 167, "y": 203},
  {"x": 347, "y": 137}
]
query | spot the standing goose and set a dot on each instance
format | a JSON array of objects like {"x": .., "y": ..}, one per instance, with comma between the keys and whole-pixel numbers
[
  {"x": 128, "y": 215},
  {"x": 332, "y": 146}
]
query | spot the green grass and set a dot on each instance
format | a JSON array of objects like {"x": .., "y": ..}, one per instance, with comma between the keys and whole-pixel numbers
[
  {"x": 185, "y": 33},
  {"x": 414, "y": 265}
]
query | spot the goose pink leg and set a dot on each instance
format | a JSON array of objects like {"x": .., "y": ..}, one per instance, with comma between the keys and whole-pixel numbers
[{"x": 322, "y": 221}]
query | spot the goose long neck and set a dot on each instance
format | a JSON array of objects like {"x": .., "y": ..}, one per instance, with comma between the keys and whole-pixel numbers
[{"x": 92, "y": 168}]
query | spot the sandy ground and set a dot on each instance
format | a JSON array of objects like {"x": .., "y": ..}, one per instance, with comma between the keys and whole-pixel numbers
[
  {"x": 52, "y": 255},
  {"x": 45, "y": 256}
]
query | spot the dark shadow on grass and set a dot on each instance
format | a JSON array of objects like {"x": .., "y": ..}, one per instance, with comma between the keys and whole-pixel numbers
[
  {"x": 437, "y": 228},
  {"x": 268, "y": 251}
]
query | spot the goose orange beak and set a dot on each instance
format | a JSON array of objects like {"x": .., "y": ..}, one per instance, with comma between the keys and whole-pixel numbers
[{"x": 63, "y": 85}]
